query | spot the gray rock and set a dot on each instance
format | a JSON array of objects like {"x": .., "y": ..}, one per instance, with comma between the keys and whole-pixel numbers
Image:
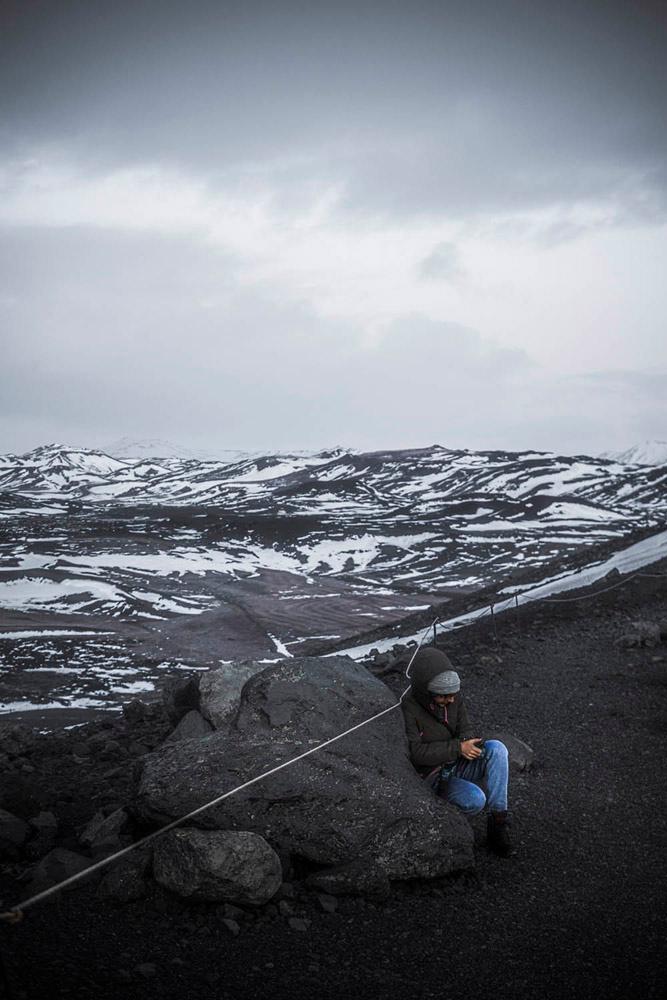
[
  {"x": 179, "y": 696},
  {"x": 56, "y": 866},
  {"x": 357, "y": 806},
  {"x": 192, "y": 726},
  {"x": 104, "y": 831},
  {"x": 231, "y": 912},
  {"x": 216, "y": 865},
  {"x": 135, "y": 711},
  {"x": 13, "y": 834},
  {"x": 298, "y": 923},
  {"x": 521, "y": 756},
  {"x": 44, "y": 821},
  {"x": 641, "y": 634},
  {"x": 15, "y": 739},
  {"x": 44, "y": 829},
  {"x": 328, "y": 903},
  {"x": 125, "y": 879},
  {"x": 220, "y": 690}
]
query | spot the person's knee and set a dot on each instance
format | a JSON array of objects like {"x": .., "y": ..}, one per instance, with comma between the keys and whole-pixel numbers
[
  {"x": 474, "y": 802},
  {"x": 494, "y": 748}
]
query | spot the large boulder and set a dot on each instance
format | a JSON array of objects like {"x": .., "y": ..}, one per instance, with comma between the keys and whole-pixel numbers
[
  {"x": 356, "y": 810},
  {"x": 13, "y": 834},
  {"x": 44, "y": 828},
  {"x": 103, "y": 833},
  {"x": 641, "y": 634},
  {"x": 521, "y": 756},
  {"x": 217, "y": 865},
  {"x": 125, "y": 880},
  {"x": 57, "y": 866},
  {"x": 179, "y": 696},
  {"x": 220, "y": 690},
  {"x": 192, "y": 726}
]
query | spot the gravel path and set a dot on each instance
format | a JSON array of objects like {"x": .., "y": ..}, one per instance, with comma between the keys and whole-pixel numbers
[{"x": 578, "y": 912}]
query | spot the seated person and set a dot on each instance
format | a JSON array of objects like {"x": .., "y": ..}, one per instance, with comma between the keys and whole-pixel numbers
[{"x": 445, "y": 750}]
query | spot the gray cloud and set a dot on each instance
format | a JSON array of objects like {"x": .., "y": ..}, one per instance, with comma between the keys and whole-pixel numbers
[
  {"x": 448, "y": 107},
  {"x": 458, "y": 120},
  {"x": 441, "y": 262}
]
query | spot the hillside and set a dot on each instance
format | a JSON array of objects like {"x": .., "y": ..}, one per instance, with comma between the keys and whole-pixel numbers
[{"x": 115, "y": 571}]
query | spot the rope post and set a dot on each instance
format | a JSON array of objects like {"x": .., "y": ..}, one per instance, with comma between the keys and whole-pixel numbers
[
  {"x": 434, "y": 633},
  {"x": 493, "y": 620},
  {"x": 518, "y": 616}
]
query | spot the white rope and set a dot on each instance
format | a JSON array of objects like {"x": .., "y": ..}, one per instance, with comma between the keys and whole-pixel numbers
[{"x": 15, "y": 913}]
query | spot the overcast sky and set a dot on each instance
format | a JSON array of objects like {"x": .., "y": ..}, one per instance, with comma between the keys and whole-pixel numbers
[{"x": 382, "y": 225}]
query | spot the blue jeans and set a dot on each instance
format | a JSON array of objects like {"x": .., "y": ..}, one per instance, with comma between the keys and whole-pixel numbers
[{"x": 457, "y": 781}]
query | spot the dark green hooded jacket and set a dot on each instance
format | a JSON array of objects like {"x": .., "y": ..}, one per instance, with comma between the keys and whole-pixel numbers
[{"x": 432, "y": 743}]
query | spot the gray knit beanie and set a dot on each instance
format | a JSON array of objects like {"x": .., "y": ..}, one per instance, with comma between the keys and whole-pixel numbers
[{"x": 448, "y": 682}]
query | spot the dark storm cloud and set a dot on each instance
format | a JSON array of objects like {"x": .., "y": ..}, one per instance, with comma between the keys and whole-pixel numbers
[{"x": 432, "y": 107}]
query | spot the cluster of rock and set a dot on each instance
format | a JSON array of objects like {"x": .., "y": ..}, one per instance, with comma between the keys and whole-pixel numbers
[
  {"x": 643, "y": 634},
  {"x": 354, "y": 812},
  {"x": 351, "y": 817}
]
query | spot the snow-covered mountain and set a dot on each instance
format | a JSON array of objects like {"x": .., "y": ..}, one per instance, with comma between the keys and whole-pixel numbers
[
  {"x": 646, "y": 453},
  {"x": 153, "y": 448},
  {"x": 279, "y": 554},
  {"x": 424, "y": 521}
]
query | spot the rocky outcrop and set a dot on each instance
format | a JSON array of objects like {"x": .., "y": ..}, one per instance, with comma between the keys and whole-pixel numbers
[
  {"x": 13, "y": 834},
  {"x": 356, "y": 810},
  {"x": 192, "y": 726},
  {"x": 643, "y": 634},
  {"x": 103, "y": 833},
  {"x": 179, "y": 696},
  {"x": 220, "y": 690},
  {"x": 57, "y": 866},
  {"x": 126, "y": 879},
  {"x": 44, "y": 828},
  {"x": 216, "y": 865}
]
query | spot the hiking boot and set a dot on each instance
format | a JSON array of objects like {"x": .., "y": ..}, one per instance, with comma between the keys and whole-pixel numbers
[{"x": 497, "y": 834}]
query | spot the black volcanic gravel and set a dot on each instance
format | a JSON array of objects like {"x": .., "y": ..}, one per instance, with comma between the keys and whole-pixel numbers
[{"x": 578, "y": 912}]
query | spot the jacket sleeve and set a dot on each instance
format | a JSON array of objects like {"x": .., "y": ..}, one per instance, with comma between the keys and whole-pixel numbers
[
  {"x": 428, "y": 754},
  {"x": 464, "y": 729}
]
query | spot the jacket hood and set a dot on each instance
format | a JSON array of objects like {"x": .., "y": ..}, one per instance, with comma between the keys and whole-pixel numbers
[{"x": 427, "y": 664}]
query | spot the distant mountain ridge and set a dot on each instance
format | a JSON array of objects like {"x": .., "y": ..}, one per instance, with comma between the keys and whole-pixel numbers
[
  {"x": 154, "y": 448},
  {"x": 421, "y": 518},
  {"x": 420, "y": 478},
  {"x": 646, "y": 453}
]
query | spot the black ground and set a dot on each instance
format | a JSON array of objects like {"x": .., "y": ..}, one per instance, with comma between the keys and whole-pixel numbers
[{"x": 578, "y": 912}]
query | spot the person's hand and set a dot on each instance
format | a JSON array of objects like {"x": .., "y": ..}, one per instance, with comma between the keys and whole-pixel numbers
[{"x": 470, "y": 750}]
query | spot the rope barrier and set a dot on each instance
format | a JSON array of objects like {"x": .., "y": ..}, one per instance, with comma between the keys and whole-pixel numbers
[{"x": 15, "y": 914}]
